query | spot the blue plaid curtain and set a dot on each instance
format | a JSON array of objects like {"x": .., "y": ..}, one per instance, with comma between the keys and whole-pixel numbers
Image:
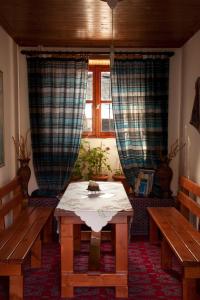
[
  {"x": 140, "y": 108},
  {"x": 57, "y": 88}
]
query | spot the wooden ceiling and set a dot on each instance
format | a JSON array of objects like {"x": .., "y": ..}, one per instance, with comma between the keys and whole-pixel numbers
[{"x": 88, "y": 23}]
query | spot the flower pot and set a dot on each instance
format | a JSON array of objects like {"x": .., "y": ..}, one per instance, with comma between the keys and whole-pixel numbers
[
  {"x": 75, "y": 178},
  {"x": 119, "y": 178},
  {"x": 162, "y": 181},
  {"x": 24, "y": 172},
  {"x": 99, "y": 177},
  {"x": 123, "y": 180}
]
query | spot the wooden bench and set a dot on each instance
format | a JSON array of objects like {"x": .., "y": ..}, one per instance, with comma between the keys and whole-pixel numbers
[
  {"x": 179, "y": 236},
  {"x": 21, "y": 230}
]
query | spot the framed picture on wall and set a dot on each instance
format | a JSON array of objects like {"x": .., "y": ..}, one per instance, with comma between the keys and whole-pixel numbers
[{"x": 1, "y": 122}]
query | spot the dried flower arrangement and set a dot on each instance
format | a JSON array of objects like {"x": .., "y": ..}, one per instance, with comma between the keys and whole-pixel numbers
[
  {"x": 174, "y": 149},
  {"x": 22, "y": 148}
]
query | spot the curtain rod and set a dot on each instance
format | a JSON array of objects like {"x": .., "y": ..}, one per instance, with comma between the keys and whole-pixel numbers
[{"x": 93, "y": 53}]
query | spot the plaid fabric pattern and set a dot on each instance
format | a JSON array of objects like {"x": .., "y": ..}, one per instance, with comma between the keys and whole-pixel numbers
[
  {"x": 140, "y": 108},
  {"x": 57, "y": 89}
]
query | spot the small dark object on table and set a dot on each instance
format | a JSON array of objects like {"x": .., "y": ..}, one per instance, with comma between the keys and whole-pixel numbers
[{"x": 93, "y": 186}]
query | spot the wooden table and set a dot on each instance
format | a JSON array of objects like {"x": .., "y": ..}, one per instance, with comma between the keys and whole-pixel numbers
[{"x": 69, "y": 239}]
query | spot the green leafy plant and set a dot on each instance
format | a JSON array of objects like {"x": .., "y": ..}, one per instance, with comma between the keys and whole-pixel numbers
[
  {"x": 97, "y": 160},
  {"x": 118, "y": 172},
  {"x": 80, "y": 164},
  {"x": 92, "y": 161},
  {"x": 77, "y": 173}
]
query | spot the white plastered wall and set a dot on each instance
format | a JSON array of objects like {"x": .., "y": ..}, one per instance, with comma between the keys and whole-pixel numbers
[
  {"x": 174, "y": 112},
  {"x": 24, "y": 120},
  {"x": 190, "y": 157},
  {"x": 8, "y": 65}
]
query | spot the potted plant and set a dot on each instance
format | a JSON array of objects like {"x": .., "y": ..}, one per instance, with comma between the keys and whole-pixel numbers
[
  {"x": 80, "y": 164},
  {"x": 98, "y": 163},
  {"x": 77, "y": 171},
  {"x": 92, "y": 163},
  {"x": 96, "y": 160},
  {"x": 118, "y": 175},
  {"x": 23, "y": 154},
  {"x": 163, "y": 174}
]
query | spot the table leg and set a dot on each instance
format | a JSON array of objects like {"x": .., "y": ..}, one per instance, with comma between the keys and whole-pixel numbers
[
  {"x": 113, "y": 237},
  {"x": 67, "y": 259},
  {"x": 95, "y": 252},
  {"x": 16, "y": 287},
  {"x": 77, "y": 237},
  {"x": 122, "y": 258}
]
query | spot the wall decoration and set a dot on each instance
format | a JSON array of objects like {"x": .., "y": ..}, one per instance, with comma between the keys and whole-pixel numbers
[
  {"x": 195, "y": 117},
  {"x": 1, "y": 122}
]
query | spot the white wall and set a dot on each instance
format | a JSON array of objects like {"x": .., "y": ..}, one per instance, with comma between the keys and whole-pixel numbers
[
  {"x": 8, "y": 65},
  {"x": 24, "y": 120},
  {"x": 175, "y": 76},
  {"x": 190, "y": 157}
]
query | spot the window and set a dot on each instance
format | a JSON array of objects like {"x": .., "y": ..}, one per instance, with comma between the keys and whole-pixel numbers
[{"x": 98, "y": 118}]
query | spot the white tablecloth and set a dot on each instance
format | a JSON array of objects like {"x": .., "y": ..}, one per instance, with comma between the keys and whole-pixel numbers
[{"x": 95, "y": 208}]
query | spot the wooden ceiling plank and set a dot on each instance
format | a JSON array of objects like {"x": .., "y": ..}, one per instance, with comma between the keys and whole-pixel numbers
[{"x": 61, "y": 23}]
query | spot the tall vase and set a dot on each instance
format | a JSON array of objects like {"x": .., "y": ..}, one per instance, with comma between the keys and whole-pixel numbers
[
  {"x": 25, "y": 173},
  {"x": 162, "y": 182}
]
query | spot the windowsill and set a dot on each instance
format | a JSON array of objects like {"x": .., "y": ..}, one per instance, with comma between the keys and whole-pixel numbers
[{"x": 100, "y": 136}]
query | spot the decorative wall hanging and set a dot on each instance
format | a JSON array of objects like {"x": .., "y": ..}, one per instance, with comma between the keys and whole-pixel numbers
[{"x": 195, "y": 118}]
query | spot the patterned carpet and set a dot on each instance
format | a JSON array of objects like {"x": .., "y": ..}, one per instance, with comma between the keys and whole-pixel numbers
[{"x": 146, "y": 280}]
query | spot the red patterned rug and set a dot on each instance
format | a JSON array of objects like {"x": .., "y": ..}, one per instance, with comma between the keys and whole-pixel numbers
[{"x": 146, "y": 279}]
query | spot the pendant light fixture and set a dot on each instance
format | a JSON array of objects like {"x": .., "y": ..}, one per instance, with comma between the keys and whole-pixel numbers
[{"x": 112, "y": 4}]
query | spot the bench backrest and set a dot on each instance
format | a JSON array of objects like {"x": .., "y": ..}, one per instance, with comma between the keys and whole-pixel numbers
[
  {"x": 11, "y": 202},
  {"x": 187, "y": 196}
]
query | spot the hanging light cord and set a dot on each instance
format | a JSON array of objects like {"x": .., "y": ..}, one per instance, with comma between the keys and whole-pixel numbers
[
  {"x": 112, "y": 40},
  {"x": 112, "y": 26}
]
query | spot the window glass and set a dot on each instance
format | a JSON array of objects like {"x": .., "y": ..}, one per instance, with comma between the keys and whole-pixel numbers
[
  {"x": 107, "y": 123},
  {"x": 105, "y": 86},
  {"x": 89, "y": 94},
  {"x": 87, "y": 119},
  {"x": 98, "y": 117}
]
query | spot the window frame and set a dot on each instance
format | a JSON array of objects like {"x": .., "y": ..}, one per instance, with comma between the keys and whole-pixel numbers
[{"x": 96, "y": 104}]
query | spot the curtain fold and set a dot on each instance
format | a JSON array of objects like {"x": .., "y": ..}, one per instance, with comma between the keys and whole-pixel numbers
[
  {"x": 140, "y": 108},
  {"x": 57, "y": 89}
]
